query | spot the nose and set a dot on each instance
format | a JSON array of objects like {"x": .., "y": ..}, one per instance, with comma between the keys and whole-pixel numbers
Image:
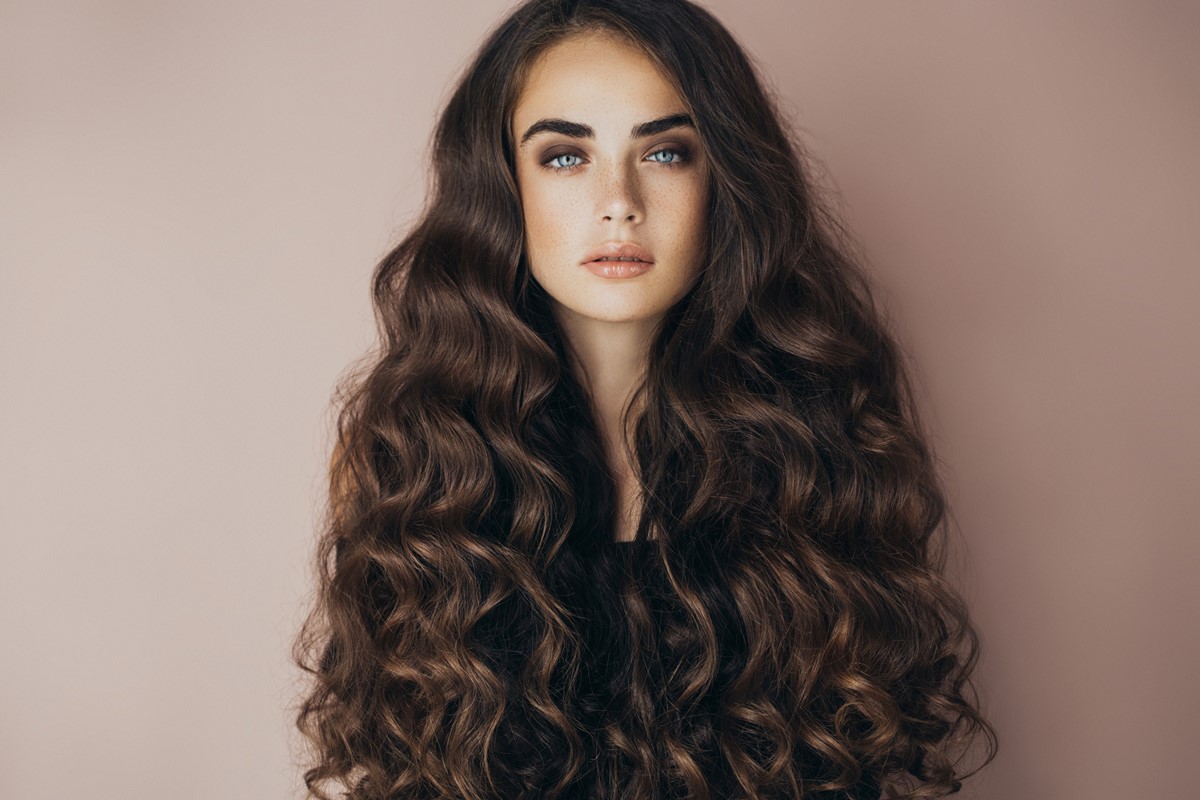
[{"x": 619, "y": 195}]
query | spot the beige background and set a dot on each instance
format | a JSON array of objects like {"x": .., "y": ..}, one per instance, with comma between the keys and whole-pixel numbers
[{"x": 192, "y": 197}]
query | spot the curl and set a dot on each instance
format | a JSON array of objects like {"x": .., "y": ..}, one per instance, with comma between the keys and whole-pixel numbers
[{"x": 788, "y": 633}]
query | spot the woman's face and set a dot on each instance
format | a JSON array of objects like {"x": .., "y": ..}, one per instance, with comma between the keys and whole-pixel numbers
[{"x": 596, "y": 164}]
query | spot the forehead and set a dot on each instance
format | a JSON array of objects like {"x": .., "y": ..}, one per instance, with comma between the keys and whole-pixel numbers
[{"x": 591, "y": 74}]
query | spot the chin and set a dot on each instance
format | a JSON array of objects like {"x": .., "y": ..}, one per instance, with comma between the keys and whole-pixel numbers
[{"x": 610, "y": 314}]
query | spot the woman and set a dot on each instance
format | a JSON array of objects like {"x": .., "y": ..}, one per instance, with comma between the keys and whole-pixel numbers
[{"x": 633, "y": 501}]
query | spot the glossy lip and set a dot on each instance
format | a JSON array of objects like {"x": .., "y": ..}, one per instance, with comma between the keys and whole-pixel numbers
[
  {"x": 618, "y": 269},
  {"x": 618, "y": 250}
]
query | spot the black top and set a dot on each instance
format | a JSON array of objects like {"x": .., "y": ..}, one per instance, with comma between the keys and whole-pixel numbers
[{"x": 607, "y": 674}]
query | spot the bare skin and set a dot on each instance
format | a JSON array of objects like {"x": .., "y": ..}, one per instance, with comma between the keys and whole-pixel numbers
[{"x": 610, "y": 382}]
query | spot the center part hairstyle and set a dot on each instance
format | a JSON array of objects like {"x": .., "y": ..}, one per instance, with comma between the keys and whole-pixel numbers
[{"x": 799, "y": 639}]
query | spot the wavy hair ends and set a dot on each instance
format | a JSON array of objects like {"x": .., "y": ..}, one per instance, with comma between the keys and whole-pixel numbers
[{"x": 800, "y": 639}]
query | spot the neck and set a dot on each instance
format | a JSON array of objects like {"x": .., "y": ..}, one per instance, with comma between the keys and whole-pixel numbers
[{"x": 610, "y": 359}]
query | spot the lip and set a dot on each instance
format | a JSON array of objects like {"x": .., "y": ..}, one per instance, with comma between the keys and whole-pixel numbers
[
  {"x": 618, "y": 250},
  {"x": 618, "y": 269}
]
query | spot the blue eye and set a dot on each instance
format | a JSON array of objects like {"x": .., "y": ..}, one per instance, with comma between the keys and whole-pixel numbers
[
  {"x": 681, "y": 156},
  {"x": 678, "y": 156},
  {"x": 564, "y": 167}
]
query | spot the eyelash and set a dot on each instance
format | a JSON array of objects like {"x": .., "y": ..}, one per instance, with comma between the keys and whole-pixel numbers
[{"x": 685, "y": 156}]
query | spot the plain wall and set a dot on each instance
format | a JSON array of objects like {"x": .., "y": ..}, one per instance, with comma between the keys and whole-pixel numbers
[{"x": 192, "y": 198}]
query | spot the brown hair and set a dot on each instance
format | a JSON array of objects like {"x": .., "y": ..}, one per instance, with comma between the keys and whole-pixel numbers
[{"x": 805, "y": 640}]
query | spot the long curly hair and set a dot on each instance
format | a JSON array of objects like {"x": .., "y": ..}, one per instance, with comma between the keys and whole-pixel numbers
[{"x": 797, "y": 637}]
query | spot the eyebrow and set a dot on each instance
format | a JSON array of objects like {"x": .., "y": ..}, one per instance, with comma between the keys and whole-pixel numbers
[{"x": 577, "y": 130}]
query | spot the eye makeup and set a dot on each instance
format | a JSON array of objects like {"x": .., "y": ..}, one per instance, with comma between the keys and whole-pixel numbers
[{"x": 682, "y": 155}]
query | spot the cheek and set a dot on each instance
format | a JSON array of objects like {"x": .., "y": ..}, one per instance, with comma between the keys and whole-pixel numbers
[
  {"x": 546, "y": 220},
  {"x": 699, "y": 211},
  {"x": 691, "y": 215}
]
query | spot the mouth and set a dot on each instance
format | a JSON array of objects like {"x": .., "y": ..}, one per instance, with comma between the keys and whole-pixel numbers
[
  {"x": 619, "y": 261},
  {"x": 619, "y": 253},
  {"x": 618, "y": 267}
]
